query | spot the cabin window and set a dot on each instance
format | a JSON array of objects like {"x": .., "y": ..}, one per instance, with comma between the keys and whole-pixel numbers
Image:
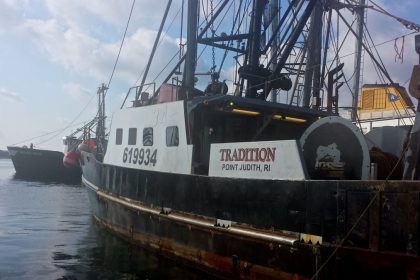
[
  {"x": 118, "y": 136},
  {"x": 148, "y": 136},
  {"x": 132, "y": 136},
  {"x": 172, "y": 138}
]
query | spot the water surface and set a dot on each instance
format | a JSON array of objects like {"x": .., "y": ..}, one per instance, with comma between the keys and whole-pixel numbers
[{"x": 47, "y": 232}]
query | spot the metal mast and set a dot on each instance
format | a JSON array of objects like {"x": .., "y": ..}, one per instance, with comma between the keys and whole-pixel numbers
[
  {"x": 146, "y": 71},
  {"x": 100, "y": 127},
  {"x": 360, "y": 12},
  {"x": 274, "y": 13},
  {"x": 312, "y": 72},
  {"x": 191, "y": 55},
  {"x": 254, "y": 51}
]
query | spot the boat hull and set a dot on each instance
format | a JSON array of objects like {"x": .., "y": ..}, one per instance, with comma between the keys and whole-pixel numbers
[
  {"x": 253, "y": 229},
  {"x": 42, "y": 165}
]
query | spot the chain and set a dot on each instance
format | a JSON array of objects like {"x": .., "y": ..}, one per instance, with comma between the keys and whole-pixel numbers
[{"x": 212, "y": 36}]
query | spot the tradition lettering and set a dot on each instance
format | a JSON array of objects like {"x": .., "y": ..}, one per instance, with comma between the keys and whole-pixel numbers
[{"x": 248, "y": 154}]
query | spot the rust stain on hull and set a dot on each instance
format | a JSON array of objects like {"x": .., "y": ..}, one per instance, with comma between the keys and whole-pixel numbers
[
  {"x": 384, "y": 245},
  {"x": 220, "y": 266}
]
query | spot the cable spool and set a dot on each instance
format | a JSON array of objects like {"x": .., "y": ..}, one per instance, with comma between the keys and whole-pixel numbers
[{"x": 334, "y": 148}]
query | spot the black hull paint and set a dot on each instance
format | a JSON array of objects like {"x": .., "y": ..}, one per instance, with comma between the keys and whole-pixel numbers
[
  {"x": 42, "y": 165},
  {"x": 175, "y": 215}
]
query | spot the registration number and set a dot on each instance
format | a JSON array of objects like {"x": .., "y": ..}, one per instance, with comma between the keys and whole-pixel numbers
[{"x": 140, "y": 156}]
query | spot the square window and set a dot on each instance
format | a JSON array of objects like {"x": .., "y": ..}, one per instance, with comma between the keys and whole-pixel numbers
[
  {"x": 118, "y": 136},
  {"x": 172, "y": 137},
  {"x": 132, "y": 136},
  {"x": 148, "y": 136}
]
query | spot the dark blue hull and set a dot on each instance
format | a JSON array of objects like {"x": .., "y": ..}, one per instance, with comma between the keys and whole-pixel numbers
[{"x": 42, "y": 165}]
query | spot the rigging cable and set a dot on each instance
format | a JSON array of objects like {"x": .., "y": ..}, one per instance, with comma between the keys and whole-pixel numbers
[
  {"x": 109, "y": 82},
  {"x": 164, "y": 68},
  {"x": 387, "y": 74},
  {"x": 160, "y": 41},
  {"x": 45, "y": 134},
  {"x": 378, "y": 191},
  {"x": 122, "y": 43},
  {"x": 380, "y": 44},
  {"x": 70, "y": 124},
  {"x": 231, "y": 33},
  {"x": 408, "y": 24}
]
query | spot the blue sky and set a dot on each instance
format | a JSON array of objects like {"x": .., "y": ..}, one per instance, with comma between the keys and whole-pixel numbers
[{"x": 55, "y": 54}]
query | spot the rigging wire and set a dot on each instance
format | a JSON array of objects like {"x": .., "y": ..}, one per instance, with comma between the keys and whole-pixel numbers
[
  {"x": 336, "y": 48},
  {"x": 122, "y": 43},
  {"x": 408, "y": 24},
  {"x": 45, "y": 134},
  {"x": 236, "y": 17},
  {"x": 109, "y": 82},
  {"x": 70, "y": 124},
  {"x": 374, "y": 198},
  {"x": 198, "y": 57},
  {"x": 380, "y": 44},
  {"x": 383, "y": 81},
  {"x": 160, "y": 42}
]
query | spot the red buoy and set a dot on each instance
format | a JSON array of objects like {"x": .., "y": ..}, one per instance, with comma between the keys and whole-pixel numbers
[
  {"x": 71, "y": 159},
  {"x": 91, "y": 144}
]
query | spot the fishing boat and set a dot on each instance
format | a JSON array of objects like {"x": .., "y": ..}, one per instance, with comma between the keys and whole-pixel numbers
[
  {"x": 245, "y": 188},
  {"x": 32, "y": 163},
  {"x": 49, "y": 165}
]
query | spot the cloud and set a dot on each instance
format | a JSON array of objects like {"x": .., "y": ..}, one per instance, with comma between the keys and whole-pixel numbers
[
  {"x": 76, "y": 91},
  {"x": 9, "y": 95},
  {"x": 79, "y": 14},
  {"x": 8, "y": 15},
  {"x": 72, "y": 49},
  {"x": 88, "y": 56}
]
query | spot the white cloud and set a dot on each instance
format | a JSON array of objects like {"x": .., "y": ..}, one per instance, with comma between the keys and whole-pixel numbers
[
  {"x": 9, "y": 15},
  {"x": 76, "y": 91},
  {"x": 88, "y": 56},
  {"x": 9, "y": 95},
  {"x": 79, "y": 14}
]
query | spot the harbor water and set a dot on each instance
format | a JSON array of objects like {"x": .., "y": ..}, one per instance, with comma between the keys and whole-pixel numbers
[{"x": 47, "y": 232}]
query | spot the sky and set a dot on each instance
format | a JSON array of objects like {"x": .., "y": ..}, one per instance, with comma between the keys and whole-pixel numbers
[{"x": 54, "y": 55}]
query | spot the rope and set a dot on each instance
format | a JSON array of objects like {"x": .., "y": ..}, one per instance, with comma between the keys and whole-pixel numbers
[{"x": 399, "y": 53}]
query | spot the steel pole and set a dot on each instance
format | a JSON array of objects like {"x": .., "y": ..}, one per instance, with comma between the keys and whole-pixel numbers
[{"x": 360, "y": 13}]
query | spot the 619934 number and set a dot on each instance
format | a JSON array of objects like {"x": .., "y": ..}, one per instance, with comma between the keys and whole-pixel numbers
[{"x": 140, "y": 156}]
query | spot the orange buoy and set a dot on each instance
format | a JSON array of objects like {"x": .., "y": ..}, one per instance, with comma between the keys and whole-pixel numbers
[{"x": 71, "y": 159}]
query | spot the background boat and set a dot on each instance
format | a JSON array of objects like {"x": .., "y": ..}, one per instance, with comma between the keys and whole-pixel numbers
[{"x": 40, "y": 164}]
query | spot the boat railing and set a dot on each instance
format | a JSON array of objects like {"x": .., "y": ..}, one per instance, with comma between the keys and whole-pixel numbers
[{"x": 141, "y": 97}]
